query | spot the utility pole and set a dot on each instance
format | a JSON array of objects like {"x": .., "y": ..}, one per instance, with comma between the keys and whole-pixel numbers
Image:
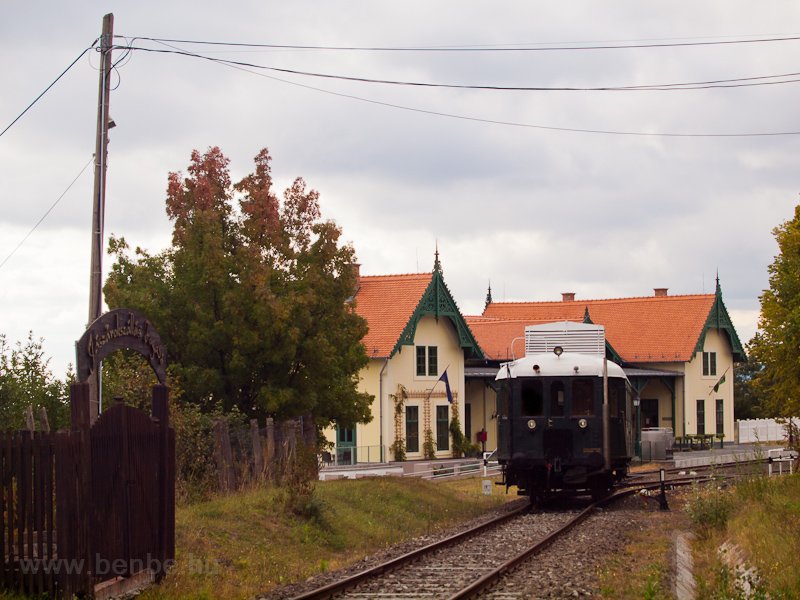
[{"x": 99, "y": 199}]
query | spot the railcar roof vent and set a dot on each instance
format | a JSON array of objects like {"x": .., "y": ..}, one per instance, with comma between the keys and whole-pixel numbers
[{"x": 584, "y": 338}]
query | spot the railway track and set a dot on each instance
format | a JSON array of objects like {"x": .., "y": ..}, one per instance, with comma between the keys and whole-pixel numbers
[{"x": 469, "y": 563}]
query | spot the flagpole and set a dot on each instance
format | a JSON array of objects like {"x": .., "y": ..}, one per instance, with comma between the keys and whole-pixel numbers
[{"x": 428, "y": 397}]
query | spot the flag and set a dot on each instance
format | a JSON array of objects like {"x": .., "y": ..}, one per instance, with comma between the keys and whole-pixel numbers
[
  {"x": 447, "y": 386},
  {"x": 720, "y": 382}
]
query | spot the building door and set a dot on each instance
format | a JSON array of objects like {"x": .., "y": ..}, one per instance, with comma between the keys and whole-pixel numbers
[
  {"x": 346, "y": 446},
  {"x": 649, "y": 408}
]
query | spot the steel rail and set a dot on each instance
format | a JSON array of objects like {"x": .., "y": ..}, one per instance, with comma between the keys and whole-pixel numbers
[
  {"x": 344, "y": 584},
  {"x": 495, "y": 575}
]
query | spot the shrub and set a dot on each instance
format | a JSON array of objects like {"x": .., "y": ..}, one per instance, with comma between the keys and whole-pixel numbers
[{"x": 709, "y": 508}]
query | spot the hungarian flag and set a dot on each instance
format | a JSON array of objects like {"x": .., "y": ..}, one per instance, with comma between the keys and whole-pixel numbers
[
  {"x": 447, "y": 386},
  {"x": 720, "y": 382}
]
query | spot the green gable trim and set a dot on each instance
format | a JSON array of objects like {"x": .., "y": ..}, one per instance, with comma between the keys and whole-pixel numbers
[
  {"x": 611, "y": 354},
  {"x": 438, "y": 302},
  {"x": 719, "y": 319}
]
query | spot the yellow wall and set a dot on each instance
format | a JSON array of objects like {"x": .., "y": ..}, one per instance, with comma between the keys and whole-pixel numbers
[
  {"x": 400, "y": 370},
  {"x": 699, "y": 387},
  {"x": 483, "y": 401}
]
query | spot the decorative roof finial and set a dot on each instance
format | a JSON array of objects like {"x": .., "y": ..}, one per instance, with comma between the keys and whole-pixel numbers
[
  {"x": 488, "y": 296},
  {"x": 718, "y": 291},
  {"x": 586, "y": 317},
  {"x": 437, "y": 266}
]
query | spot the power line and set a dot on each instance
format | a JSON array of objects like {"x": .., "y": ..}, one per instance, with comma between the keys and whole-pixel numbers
[
  {"x": 44, "y": 216},
  {"x": 47, "y": 89},
  {"x": 760, "y": 80},
  {"x": 477, "y": 48},
  {"x": 243, "y": 67},
  {"x": 232, "y": 65}
]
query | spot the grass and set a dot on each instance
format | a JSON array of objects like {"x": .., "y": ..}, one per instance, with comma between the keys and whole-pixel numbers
[
  {"x": 240, "y": 545},
  {"x": 763, "y": 526},
  {"x": 642, "y": 568},
  {"x": 758, "y": 519}
]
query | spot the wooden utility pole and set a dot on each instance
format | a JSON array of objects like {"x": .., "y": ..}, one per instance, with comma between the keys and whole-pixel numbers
[{"x": 99, "y": 198}]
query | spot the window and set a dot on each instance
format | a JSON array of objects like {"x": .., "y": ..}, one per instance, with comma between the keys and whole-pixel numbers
[
  {"x": 412, "y": 428},
  {"x": 720, "y": 416},
  {"x": 442, "y": 428},
  {"x": 701, "y": 417},
  {"x": 709, "y": 363},
  {"x": 532, "y": 401},
  {"x": 346, "y": 436},
  {"x": 421, "y": 361},
  {"x": 582, "y": 397},
  {"x": 557, "y": 399},
  {"x": 427, "y": 361}
]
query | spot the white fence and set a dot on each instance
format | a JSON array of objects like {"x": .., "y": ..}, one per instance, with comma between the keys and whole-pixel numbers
[{"x": 762, "y": 430}]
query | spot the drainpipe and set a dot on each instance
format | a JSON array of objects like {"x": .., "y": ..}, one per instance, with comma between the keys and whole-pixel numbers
[
  {"x": 380, "y": 408},
  {"x": 606, "y": 419}
]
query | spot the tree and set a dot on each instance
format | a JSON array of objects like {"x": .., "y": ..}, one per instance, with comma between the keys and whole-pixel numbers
[
  {"x": 777, "y": 346},
  {"x": 746, "y": 396},
  {"x": 251, "y": 299},
  {"x": 26, "y": 380}
]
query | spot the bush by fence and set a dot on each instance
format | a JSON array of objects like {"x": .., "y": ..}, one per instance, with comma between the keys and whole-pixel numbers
[{"x": 765, "y": 430}]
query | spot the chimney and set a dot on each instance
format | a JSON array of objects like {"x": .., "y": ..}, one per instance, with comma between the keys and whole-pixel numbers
[
  {"x": 568, "y": 296},
  {"x": 660, "y": 292}
]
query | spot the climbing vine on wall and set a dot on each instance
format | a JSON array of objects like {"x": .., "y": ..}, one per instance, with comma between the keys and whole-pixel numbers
[
  {"x": 398, "y": 447},
  {"x": 429, "y": 447}
]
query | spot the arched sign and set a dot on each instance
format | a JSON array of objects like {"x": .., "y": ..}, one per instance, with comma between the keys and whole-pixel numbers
[{"x": 115, "y": 330}]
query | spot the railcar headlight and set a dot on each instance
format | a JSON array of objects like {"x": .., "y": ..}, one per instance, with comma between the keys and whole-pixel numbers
[
  {"x": 531, "y": 424},
  {"x": 582, "y": 423}
]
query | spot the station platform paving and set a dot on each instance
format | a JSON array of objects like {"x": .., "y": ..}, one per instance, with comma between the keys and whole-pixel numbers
[{"x": 728, "y": 453}]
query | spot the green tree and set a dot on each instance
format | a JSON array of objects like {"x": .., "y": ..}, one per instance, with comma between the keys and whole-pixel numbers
[
  {"x": 26, "y": 379},
  {"x": 777, "y": 347},
  {"x": 251, "y": 299},
  {"x": 746, "y": 396}
]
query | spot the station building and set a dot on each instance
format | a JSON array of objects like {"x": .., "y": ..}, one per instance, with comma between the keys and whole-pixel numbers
[
  {"x": 429, "y": 363},
  {"x": 677, "y": 351},
  {"x": 418, "y": 344}
]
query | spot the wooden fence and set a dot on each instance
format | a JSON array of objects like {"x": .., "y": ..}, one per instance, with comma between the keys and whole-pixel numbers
[
  {"x": 246, "y": 455},
  {"x": 89, "y": 505}
]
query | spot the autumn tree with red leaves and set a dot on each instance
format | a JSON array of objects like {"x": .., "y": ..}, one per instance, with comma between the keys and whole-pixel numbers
[{"x": 251, "y": 299}]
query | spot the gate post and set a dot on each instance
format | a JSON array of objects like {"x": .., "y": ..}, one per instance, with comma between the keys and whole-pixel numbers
[
  {"x": 166, "y": 481},
  {"x": 82, "y": 510}
]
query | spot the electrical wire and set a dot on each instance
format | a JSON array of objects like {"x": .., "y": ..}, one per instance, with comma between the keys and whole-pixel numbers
[
  {"x": 754, "y": 81},
  {"x": 49, "y": 210},
  {"x": 234, "y": 65},
  {"x": 47, "y": 89},
  {"x": 515, "y": 48}
]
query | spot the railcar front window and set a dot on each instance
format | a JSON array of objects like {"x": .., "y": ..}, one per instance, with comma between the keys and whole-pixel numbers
[
  {"x": 502, "y": 400},
  {"x": 582, "y": 397},
  {"x": 557, "y": 399},
  {"x": 532, "y": 400}
]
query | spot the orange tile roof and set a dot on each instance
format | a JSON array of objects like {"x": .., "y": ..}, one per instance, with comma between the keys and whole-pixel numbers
[
  {"x": 387, "y": 303},
  {"x": 641, "y": 330}
]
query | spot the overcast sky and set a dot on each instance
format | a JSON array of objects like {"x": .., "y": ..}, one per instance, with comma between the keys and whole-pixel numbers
[{"x": 536, "y": 211}]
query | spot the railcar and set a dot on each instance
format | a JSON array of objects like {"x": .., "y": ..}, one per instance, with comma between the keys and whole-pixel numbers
[{"x": 564, "y": 424}]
